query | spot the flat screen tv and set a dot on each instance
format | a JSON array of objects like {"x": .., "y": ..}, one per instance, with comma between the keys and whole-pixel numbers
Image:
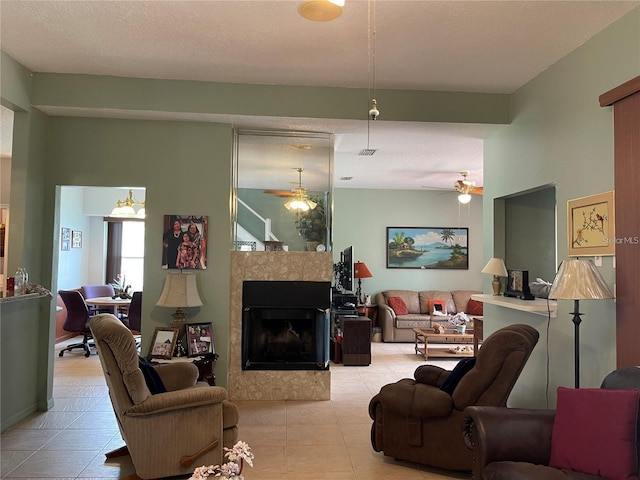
[
  {"x": 518, "y": 285},
  {"x": 346, "y": 269}
]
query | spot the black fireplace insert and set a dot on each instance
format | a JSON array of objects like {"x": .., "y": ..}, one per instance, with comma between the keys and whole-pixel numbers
[{"x": 285, "y": 325}]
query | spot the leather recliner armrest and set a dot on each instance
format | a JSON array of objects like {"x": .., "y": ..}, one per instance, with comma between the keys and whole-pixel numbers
[
  {"x": 507, "y": 434},
  {"x": 431, "y": 375}
]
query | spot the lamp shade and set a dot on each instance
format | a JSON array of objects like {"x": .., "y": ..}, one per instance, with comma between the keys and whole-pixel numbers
[
  {"x": 180, "y": 290},
  {"x": 495, "y": 266},
  {"x": 360, "y": 270},
  {"x": 464, "y": 198},
  {"x": 579, "y": 280}
]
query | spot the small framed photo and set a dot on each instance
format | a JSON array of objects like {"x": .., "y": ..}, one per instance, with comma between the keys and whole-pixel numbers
[
  {"x": 200, "y": 339},
  {"x": 65, "y": 239},
  {"x": 163, "y": 343},
  {"x": 76, "y": 239}
]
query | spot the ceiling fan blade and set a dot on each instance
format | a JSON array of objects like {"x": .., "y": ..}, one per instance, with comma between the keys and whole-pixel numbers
[
  {"x": 280, "y": 193},
  {"x": 476, "y": 190}
]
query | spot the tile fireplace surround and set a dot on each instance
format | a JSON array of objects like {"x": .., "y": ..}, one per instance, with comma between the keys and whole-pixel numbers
[{"x": 273, "y": 384}]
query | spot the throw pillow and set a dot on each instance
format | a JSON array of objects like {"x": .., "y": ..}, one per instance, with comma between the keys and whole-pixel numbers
[
  {"x": 594, "y": 432},
  {"x": 475, "y": 307},
  {"x": 151, "y": 377},
  {"x": 398, "y": 305},
  {"x": 460, "y": 370},
  {"x": 437, "y": 307}
]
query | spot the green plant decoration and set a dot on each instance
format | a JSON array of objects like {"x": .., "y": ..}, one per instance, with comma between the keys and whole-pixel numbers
[{"x": 312, "y": 224}]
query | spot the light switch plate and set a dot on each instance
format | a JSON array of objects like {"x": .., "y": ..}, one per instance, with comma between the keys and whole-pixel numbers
[{"x": 598, "y": 261}]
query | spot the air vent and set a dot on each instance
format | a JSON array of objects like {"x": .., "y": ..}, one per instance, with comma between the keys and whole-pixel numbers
[
  {"x": 346, "y": 178},
  {"x": 367, "y": 152}
]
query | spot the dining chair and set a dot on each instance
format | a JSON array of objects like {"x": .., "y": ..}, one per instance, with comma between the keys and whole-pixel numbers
[
  {"x": 77, "y": 320},
  {"x": 95, "y": 291},
  {"x": 135, "y": 313}
]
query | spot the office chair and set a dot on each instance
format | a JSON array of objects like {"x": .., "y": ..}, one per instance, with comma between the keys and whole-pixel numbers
[
  {"x": 77, "y": 320},
  {"x": 96, "y": 291}
]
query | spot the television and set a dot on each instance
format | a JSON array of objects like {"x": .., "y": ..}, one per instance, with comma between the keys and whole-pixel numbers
[
  {"x": 518, "y": 285},
  {"x": 345, "y": 271}
]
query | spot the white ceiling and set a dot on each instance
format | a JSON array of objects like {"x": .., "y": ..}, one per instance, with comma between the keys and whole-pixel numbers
[{"x": 470, "y": 46}]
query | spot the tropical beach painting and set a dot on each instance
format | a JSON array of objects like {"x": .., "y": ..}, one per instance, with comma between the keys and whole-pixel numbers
[{"x": 428, "y": 247}]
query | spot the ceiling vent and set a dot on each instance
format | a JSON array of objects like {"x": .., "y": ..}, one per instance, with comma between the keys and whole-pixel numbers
[{"x": 367, "y": 152}]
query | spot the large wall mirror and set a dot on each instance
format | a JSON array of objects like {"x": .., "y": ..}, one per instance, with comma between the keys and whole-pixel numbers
[
  {"x": 6, "y": 145},
  {"x": 283, "y": 190}
]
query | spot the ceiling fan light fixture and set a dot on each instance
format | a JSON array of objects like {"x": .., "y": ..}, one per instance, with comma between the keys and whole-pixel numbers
[
  {"x": 321, "y": 10},
  {"x": 464, "y": 198},
  {"x": 301, "y": 201}
]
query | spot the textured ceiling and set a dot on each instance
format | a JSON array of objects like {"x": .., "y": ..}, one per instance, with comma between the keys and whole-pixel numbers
[{"x": 472, "y": 46}]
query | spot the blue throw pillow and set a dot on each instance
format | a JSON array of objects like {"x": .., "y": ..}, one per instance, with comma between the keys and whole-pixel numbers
[
  {"x": 451, "y": 382},
  {"x": 151, "y": 377}
]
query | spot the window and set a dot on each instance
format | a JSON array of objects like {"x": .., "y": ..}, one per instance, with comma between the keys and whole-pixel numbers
[{"x": 132, "y": 266}]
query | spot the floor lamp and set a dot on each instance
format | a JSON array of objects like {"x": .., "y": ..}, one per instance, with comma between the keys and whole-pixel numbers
[
  {"x": 578, "y": 280},
  {"x": 360, "y": 271}
]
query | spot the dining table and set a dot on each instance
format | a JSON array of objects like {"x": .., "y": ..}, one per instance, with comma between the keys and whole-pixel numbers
[{"x": 120, "y": 305}]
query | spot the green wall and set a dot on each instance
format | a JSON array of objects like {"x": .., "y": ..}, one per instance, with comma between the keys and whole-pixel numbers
[
  {"x": 559, "y": 134},
  {"x": 361, "y": 218}
]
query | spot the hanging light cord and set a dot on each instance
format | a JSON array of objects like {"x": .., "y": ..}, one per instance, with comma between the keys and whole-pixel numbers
[{"x": 371, "y": 47}]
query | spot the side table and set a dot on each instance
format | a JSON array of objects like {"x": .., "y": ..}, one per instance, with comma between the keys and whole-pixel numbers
[
  {"x": 356, "y": 341},
  {"x": 204, "y": 363},
  {"x": 370, "y": 311}
]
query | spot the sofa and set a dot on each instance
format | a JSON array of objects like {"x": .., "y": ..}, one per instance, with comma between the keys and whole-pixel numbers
[
  {"x": 399, "y": 327},
  {"x": 518, "y": 443}
]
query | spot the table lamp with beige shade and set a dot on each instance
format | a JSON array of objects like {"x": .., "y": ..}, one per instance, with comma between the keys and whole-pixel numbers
[
  {"x": 180, "y": 291},
  {"x": 495, "y": 266}
]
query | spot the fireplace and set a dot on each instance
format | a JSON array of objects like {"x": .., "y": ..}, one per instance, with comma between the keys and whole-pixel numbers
[{"x": 285, "y": 325}]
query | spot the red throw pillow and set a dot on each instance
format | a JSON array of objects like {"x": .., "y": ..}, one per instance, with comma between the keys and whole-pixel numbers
[
  {"x": 398, "y": 305},
  {"x": 475, "y": 307},
  {"x": 594, "y": 432},
  {"x": 431, "y": 305}
]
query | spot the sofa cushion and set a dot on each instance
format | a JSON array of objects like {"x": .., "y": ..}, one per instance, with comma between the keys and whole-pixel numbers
[
  {"x": 434, "y": 304},
  {"x": 410, "y": 298},
  {"x": 427, "y": 295},
  {"x": 475, "y": 308},
  {"x": 412, "y": 320},
  {"x": 398, "y": 305},
  {"x": 594, "y": 432},
  {"x": 461, "y": 298},
  {"x": 460, "y": 370}
]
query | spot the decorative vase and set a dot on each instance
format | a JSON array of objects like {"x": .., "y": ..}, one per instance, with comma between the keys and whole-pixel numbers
[{"x": 461, "y": 328}]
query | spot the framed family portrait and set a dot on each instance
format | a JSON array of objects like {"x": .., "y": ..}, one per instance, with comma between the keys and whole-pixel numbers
[
  {"x": 591, "y": 225},
  {"x": 428, "y": 248},
  {"x": 200, "y": 339},
  {"x": 184, "y": 242},
  {"x": 163, "y": 343}
]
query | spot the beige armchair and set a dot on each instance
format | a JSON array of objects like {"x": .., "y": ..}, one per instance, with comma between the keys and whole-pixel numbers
[{"x": 167, "y": 432}]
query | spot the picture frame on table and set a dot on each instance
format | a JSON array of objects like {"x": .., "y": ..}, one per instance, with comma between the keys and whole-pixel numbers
[
  {"x": 163, "y": 343},
  {"x": 76, "y": 239},
  {"x": 200, "y": 339},
  {"x": 428, "y": 248},
  {"x": 591, "y": 225}
]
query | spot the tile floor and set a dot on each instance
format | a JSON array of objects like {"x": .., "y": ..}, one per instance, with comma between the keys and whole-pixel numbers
[{"x": 302, "y": 440}]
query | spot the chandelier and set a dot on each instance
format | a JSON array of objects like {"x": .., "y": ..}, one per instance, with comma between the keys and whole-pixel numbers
[
  {"x": 300, "y": 200},
  {"x": 124, "y": 208}
]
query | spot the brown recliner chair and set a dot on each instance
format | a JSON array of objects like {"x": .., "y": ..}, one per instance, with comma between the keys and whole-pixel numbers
[
  {"x": 415, "y": 420},
  {"x": 515, "y": 443},
  {"x": 165, "y": 433}
]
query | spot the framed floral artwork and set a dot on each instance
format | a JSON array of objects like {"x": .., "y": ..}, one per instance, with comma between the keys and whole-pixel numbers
[
  {"x": 591, "y": 225},
  {"x": 65, "y": 239}
]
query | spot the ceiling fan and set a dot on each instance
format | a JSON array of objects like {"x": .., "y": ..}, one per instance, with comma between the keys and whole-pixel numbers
[
  {"x": 300, "y": 197},
  {"x": 466, "y": 188}
]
